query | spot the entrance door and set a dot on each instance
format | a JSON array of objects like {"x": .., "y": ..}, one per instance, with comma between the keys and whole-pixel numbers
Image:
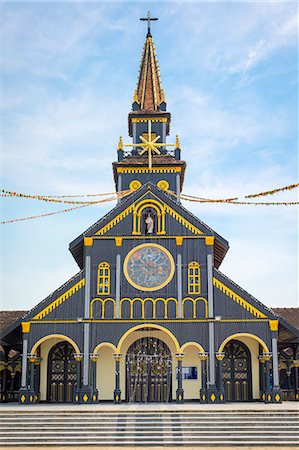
[
  {"x": 149, "y": 371},
  {"x": 62, "y": 376},
  {"x": 237, "y": 372}
]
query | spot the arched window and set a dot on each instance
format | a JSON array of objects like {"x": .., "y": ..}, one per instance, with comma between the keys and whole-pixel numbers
[
  {"x": 193, "y": 278},
  {"x": 104, "y": 278}
]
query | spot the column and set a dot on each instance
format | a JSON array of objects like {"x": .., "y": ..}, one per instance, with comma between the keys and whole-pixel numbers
[
  {"x": 275, "y": 395},
  {"x": 78, "y": 358},
  {"x": 117, "y": 285},
  {"x": 86, "y": 392},
  {"x": 26, "y": 395},
  {"x": 268, "y": 391},
  {"x": 203, "y": 391},
  {"x": 4, "y": 393},
  {"x": 180, "y": 391},
  {"x": 37, "y": 363},
  {"x": 31, "y": 360},
  {"x": 262, "y": 377},
  {"x": 220, "y": 358},
  {"x": 94, "y": 358},
  {"x": 212, "y": 391},
  {"x": 296, "y": 369},
  {"x": 178, "y": 187},
  {"x": 117, "y": 391},
  {"x": 180, "y": 286}
]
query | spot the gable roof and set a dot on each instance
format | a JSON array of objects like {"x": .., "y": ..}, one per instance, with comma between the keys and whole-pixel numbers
[
  {"x": 76, "y": 247},
  {"x": 242, "y": 297}
]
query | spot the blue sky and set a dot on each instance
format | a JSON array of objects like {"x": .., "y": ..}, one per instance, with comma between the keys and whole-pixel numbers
[{"x": 230, "y": 75}]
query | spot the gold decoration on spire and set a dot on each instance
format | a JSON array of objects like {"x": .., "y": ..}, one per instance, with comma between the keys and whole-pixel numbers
[
  {"x": 149, "y": 144},
  {"x": 177, "y": 141},
  {"x": 149, "y": 92},
  {"x": 120, "y": 143}
]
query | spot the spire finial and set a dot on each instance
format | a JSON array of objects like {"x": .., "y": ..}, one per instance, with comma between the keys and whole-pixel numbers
[
  {"x": 148, "y": 19},
  {"x": 120, "y": 143}
]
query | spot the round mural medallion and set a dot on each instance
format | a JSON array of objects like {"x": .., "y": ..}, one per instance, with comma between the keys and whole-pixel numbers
[{"x": 149, "y": 267}]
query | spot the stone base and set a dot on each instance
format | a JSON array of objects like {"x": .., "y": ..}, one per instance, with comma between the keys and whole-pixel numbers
[
  {"x": 215, "y": 396},
  {"x": 179, "y": 396},
  {"x": 203, "y": 396},
  {"x": 272, "y": 396},
  {"x": 117, "y": 396},
  {"x": 27, "y": 397},
  {"x": 85, "y": 395}
]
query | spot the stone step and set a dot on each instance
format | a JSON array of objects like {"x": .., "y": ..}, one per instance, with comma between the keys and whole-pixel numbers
[{"x": 141, "y": 424}]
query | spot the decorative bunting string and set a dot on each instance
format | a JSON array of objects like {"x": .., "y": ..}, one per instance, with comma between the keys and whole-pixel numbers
[
  {"x": 43, "y": 215},
  {"x": 115, "y": 197},
  {"x": 122, "y": 194},
  {"x": 274, "y": 191},
  {"x": 5, "y": 193}
]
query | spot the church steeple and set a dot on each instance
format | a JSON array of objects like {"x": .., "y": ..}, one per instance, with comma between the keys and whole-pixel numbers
[
  {"x": 149, "y": 157},
  {"x": 149, "y": 95}
]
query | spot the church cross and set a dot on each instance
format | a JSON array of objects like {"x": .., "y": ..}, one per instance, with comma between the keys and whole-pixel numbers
[{"x": 148, "y": 19}]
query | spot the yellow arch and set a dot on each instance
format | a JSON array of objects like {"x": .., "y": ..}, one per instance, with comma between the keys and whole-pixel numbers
[
  {"x": 104, "y": 344},
  {"x": 53, "y": 336},
  {"x": 194, "y": 344},
  {"x": 253, "y": 336},
  {"x": 103, "y": 301},
  {"x": 151, "y": 202},
  {"x": 194, "y": 301},
  {"x": 148, "y": 325}
]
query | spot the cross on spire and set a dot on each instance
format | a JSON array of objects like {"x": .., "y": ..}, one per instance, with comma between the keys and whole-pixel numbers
[{"x": 148, "y": 19}]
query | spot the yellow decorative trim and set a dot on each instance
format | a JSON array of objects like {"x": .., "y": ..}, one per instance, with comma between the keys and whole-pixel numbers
[
  {"x": 60, "y": 300},
  {"x": 85, "y": 398},
  {"x": 238, "y": 335},
  {"x": 104, "y": 278},
  {"x": 207, "y": 320},
  {"x": 193, "y": 278},
  {"x": 116, "y": 220},
  {"x": 25, "y": 327},
  {"x": 160, "y": 286},
  {"x": 103, "y": 301},
  {"x": 154, "y": 301},
  {"x": 163, "y": 185},
  {"x": 213, "y": 398},
  {"x": 209, "y": 240},
  {"x": 160, "y": 169},
  {"x": 146, "y": 119},
  {"x": 149, "y": 325},
  {"x": 179, "y": 240},
  {"x": 193, "y": 344},
  {"x": 134, "y": 185},
  {"x": 241, "y": 301},
  {"x": 55, "y": 336},
  {"x": 88, "y": 241},
  {"x": 273, "y": 324},
  {"x": 23, "y": 398},
  {"x": 118, "y": 241},
  {"x": 182, "y": 220},
  {"x": 194, "y": 301},
  {"x": 120, "y": 143},
  {"x": 149, "y": 203},
  {"x": 104, "y": 344}
]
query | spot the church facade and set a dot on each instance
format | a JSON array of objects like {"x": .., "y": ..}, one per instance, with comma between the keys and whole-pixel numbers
[{"x": 149, "y": 317}]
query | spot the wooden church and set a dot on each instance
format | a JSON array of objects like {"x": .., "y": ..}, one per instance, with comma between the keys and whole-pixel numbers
[{"x": 149, "y": 317}]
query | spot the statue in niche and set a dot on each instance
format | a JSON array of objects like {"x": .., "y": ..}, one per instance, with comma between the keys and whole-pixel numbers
[{"x": 149, "y": 221}]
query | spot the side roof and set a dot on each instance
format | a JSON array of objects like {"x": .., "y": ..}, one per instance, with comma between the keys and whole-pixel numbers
[{"x": 221, "y": 246}]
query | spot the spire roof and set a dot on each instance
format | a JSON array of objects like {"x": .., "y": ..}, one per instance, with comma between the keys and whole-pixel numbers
[{"x": 149, "y": 95}]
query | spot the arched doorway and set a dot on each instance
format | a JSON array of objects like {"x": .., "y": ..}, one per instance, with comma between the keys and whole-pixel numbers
[
  {"x": 62, "y": 376},
  {"x": 148, "y": 371},
  {"x": 236, "y": 371}
]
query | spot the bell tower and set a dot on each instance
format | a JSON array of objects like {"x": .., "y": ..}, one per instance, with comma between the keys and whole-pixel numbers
[{"x": 149, "y": 157}]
